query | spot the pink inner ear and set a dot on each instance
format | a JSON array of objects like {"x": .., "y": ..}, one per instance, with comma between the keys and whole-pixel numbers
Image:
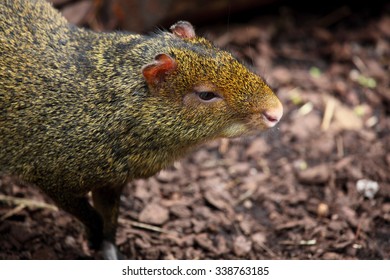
[
  {"x": 156, "y": 71},
  {"x": 183, "y": 29}
]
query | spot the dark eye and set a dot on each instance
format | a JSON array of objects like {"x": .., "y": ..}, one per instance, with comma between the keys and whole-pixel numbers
[{"x": 207, "y": 95}]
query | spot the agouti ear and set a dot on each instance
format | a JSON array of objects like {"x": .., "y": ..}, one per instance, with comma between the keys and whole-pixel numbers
[
  {"x": 156, "y": 71},
  {"x": 183, "y": 29}
]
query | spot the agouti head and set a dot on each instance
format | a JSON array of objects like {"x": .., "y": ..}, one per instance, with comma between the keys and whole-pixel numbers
[{"x": 210, "y": 87}]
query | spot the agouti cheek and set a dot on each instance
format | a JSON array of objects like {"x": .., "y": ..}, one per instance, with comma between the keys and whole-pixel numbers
[{"x": 190, "y": 100}]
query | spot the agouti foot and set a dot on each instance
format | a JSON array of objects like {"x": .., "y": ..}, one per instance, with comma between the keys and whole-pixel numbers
[{"x": 110, "y": 252}]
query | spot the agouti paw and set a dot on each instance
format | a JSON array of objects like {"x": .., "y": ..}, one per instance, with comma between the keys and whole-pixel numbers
[{"x": 110, "y": 252}]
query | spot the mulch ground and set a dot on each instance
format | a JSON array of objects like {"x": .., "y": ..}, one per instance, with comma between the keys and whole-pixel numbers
[{"x": 315, "y": 187}]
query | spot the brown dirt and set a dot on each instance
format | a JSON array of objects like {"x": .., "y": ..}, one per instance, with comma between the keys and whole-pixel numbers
[{"x": 292, "y": 193}]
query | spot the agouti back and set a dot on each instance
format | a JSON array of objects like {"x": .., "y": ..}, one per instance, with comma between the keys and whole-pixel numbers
[{"x": 82, "y": 111}]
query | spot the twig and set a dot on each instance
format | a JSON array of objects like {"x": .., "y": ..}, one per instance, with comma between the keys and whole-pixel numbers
[
  {"x": 268, "y": 250},
  {"x": 340, "y": 146},
  {"x": 246, "y": 195},
  {"x": 310, "y": 242},
  {"x": 264, "y": 166},
  {"x": 12, "y": 212},
  {"x": 329, "y": 112},
  {"x": 305, "y": 109},
  {"x": 224, "y": 146},
  {"x": 146, "y": 226},
  {"x": 335, "y": 16},
  {"x": 29, "y": 203},
  {"x": 359, "y": 63},
  {"x": 358, "y": 230}
]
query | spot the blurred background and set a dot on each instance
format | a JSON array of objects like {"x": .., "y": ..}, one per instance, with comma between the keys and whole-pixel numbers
[
  {"x": 140, "y": 16},
  {"x": 315, "y": 187}
]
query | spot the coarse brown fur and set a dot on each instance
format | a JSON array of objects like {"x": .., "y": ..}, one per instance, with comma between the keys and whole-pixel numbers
[{"x": 78, "y": 115}]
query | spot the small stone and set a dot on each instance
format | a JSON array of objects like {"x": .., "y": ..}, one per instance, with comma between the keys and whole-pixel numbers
[
  {"x": 259, "y": 238},
  {"x": 242, "y": 246},
  {"x": 165, "y": 176},
  {"x": 215, "y": 199},
  {"x": 367, "y": 187},
  {"x": 154, "y": 214},
  {"x": 70, "y": 242},
  {"x": 257, "y": 148},
  {"x": 180, "y": 211},
  {"x": 332, "y": 256},
  {"x": 246, "y": 226},
  {"x": 322, "y": 210},
  {"x": 248, "y": 204},
  {"x": 314, "y": 175},
  {"x": 204, "y": 241}
]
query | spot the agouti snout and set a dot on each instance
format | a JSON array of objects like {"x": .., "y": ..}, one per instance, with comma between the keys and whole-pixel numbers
[
  {"x": 273, "y": 115},
  {"x": 87, "y": 112}
]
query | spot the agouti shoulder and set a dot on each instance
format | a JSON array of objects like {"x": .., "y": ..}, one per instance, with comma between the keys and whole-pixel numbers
[{"x": 82, "y": 111}]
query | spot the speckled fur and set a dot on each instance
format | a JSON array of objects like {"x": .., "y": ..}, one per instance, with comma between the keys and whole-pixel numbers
[{"x": 76, "y": 113}]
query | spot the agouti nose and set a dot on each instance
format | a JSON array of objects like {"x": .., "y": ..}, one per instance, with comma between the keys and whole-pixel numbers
[{"x": 272, "y": 116}]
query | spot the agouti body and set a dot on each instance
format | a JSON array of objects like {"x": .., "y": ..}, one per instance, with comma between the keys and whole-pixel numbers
[{"x": 82, "y": 111}]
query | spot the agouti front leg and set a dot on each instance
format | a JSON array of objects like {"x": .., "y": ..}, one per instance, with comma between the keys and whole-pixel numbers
[
  {"x": 83, "y": 211},
  {"x": 106, "y": 201}
]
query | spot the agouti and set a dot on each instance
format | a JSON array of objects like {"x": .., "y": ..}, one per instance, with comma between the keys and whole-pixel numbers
[{"x": 82, "y": 111}]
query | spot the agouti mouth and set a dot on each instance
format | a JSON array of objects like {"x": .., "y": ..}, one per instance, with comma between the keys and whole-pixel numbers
[
  {"x": 270, "y": 120},
  {"x": 273, "y": 115},
  {"x": 255, "y": 124},
  {"x": 261, "y": 122}
]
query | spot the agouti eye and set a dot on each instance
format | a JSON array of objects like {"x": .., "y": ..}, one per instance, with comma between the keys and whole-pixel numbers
[{"x": 207, "y": 95}]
